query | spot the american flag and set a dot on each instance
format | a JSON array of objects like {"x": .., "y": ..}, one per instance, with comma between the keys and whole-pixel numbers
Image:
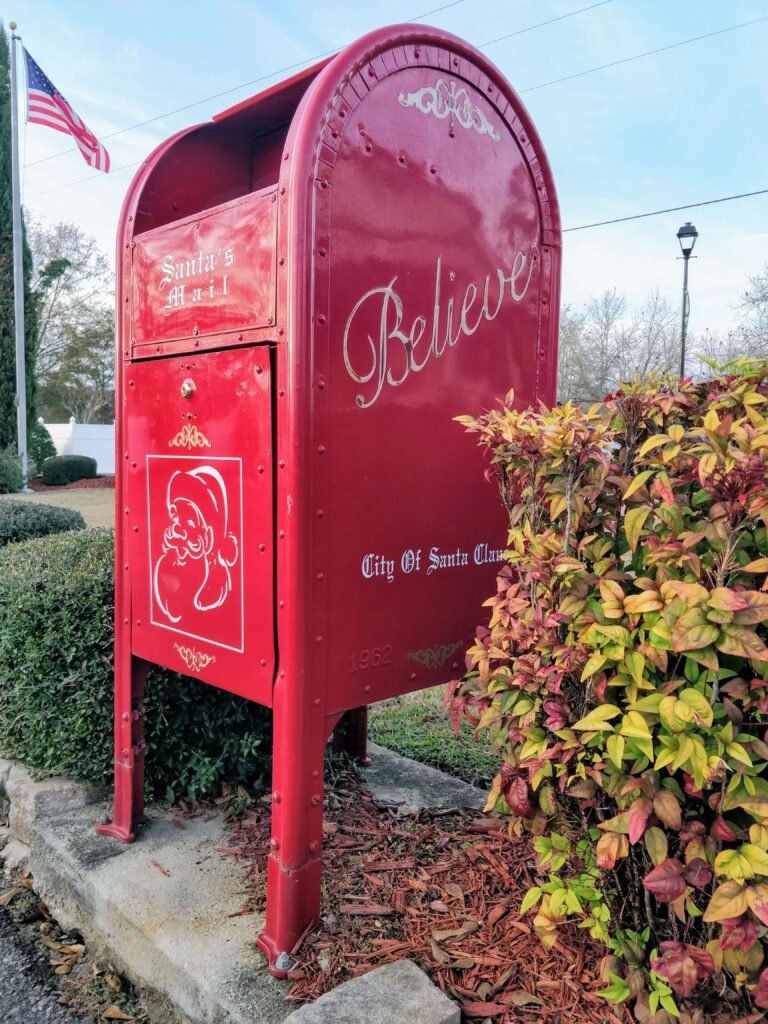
[{"x": 47, "y": 106}]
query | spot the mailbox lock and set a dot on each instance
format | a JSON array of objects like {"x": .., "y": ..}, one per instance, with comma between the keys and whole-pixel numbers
[{"x": 188, "y": 388}]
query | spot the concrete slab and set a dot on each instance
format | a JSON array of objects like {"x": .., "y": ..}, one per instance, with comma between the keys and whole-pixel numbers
[
  {"x": 392, "y": 994},
  {"x": 160, "y": 909},
  {"x": 393, "y": 779}
]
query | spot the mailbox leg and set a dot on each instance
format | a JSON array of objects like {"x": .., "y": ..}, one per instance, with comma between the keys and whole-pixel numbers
[
  {"x": 128, "y": 813},
  {"x": 351, "y": 735},
  {"x": 295, "y": 859}
]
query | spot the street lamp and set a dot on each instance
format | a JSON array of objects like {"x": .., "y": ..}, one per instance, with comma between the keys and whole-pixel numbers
[{"x": 686, "y": 236}]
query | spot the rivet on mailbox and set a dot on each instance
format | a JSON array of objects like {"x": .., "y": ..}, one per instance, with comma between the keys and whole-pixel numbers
[{"x": 427, "y": 305}]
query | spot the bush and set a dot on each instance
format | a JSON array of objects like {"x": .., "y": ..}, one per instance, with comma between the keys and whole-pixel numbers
[
  {"x": 40, "y": 445},
  {"x": 10, "y": 473},
  {"x": 624, "y": 677},
  {"x": 22, "y": 520},
  {"x": 65, "y": 469},
  {"x": 56, "y": 630}
]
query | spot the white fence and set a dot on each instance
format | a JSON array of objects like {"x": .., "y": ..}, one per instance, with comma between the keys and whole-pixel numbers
[{"x": 94, "y": 439}]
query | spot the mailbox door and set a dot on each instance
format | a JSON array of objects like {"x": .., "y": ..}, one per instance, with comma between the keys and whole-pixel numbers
[{"x": 198, "y": 516}]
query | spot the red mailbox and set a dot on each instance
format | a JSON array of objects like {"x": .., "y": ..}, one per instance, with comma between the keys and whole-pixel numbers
[{"x": 311, "y": 287}]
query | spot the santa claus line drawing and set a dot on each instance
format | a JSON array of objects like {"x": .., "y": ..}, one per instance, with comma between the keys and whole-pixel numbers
[{"x": 198, "y": 548}]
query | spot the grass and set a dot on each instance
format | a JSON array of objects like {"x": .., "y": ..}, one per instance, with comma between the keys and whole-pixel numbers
[
  {"x": 96, "y": 504},
  {"x": 416, "y": 726}
]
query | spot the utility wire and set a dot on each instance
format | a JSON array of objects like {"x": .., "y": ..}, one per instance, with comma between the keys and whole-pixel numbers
[
  {"x": 541, "y": 24},
  {"x": 671, "y": 209},
  {"x": 648, "y": 53},
  {"x": 542, "y": 85},
  {"x": 293, "y": 67},
  {"x": 226, "y": 92}
]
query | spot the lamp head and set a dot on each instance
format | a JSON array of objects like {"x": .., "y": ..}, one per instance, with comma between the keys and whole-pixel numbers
[{"x": 687, "y": 236}]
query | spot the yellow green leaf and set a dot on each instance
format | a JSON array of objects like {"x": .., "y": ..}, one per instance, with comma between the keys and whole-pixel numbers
[
  {"x": 635, "y": 662},
  {"x": 594, "y": 664},
  {"x": 656, "y": 845},
  {"x": 698, "y": 704},
  {"x": 728, "y": 900},
  {"x": 615, "y": 748},
  {"x": 634, "y": 521},
  {"x": 648, "y": 601},
  {"x": 738, "y": 753},
  {"x": 654, "y": 441},
  {"x": 530, "y": 899},
  {"x": 757, "y": 858},
  {"x": 494, "y": 794},
  {"x": 637, "y": 483},
  {"x": 733, "y": 865},
  {"x": 598, "y": 719}
]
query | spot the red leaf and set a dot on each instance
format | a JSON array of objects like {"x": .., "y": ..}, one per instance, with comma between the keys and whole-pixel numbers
[
  {"x": 637, "y": 819},
  {"x": 516, "y": 795},
  {"x": 760, "y": 992},
  {"x": 697, "y": 873},
  {"x": 667, "y": 809},
  {"x": 683, "y": 966},
  {"x": 666, "y": 881},
  {"x": 738, "y": 933},
  {"x": 723, "y": 831}
]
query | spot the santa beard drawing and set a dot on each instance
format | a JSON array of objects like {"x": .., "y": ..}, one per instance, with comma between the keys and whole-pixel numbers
[{"x": 193, "y": 572}]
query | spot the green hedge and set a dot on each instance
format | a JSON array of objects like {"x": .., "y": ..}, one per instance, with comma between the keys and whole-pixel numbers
[
  {"x": 23, "y": 520},
  {"x": 40, "y": 446},
  {"x": 56, "y": 608},
  {"x": 10, "y": 473},
  {"x": 65, "y": 469}
]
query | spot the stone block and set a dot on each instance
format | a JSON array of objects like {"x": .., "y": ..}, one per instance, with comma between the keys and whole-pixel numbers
[
  {"x": 32, "y": 801},
  {"x": 393, "y": 994}
]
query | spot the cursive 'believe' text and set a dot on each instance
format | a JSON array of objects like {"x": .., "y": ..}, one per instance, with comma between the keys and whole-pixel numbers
[{"x": 399, "y": 350}]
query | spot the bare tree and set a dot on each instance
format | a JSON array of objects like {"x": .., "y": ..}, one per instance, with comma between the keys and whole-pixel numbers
[
  {"x": 570, "y": 367},
  {"x": 602, "y": 319},
  {"x": 753, "y": 315},
  {"x": 650, "y": 341},
  {"x": 72, "y": 282}
]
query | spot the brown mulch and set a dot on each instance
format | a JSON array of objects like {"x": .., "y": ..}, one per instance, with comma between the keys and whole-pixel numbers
[
  {"x": 97, "y": 481},
  {"x": 441, "y": 889}
]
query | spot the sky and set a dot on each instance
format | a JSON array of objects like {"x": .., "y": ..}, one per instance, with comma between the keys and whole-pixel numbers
[{"x": 684, "y": 125}]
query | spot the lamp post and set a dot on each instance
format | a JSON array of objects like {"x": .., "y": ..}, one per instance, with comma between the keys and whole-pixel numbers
[{"x": 686, "y": 236}]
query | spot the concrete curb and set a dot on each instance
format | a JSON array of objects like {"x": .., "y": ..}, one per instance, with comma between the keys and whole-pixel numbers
[{"x": 165, "y": 909}]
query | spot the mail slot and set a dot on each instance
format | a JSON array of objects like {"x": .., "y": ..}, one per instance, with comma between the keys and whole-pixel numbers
[{"x": 310, "y": 288}]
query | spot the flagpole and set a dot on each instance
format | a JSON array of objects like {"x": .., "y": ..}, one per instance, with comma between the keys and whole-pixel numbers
[{"x": 18, "y": 271}]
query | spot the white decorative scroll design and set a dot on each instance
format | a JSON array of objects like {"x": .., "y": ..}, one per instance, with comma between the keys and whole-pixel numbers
[
  {"x": 446, "y": 100},
  {"x": 198, "y": 546}
]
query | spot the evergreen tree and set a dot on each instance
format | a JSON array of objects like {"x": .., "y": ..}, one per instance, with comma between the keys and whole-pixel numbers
[{"x": 8, "y": 428}]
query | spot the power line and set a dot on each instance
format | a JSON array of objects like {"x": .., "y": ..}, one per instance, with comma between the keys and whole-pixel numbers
[
  {"x": 225, "y": 92},
  {"x": 671, "y": 209},
  {"x": 542, "y": 85},
  {"x": 541, "y": 24},
  {"x": 648, "y": 53},
  {"x": 293, "y": 67}
]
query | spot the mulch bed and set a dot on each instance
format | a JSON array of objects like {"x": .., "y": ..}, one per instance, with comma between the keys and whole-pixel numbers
[
  {"x": 97, "y": 481},
  {"x": 442, "y": 889}
]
